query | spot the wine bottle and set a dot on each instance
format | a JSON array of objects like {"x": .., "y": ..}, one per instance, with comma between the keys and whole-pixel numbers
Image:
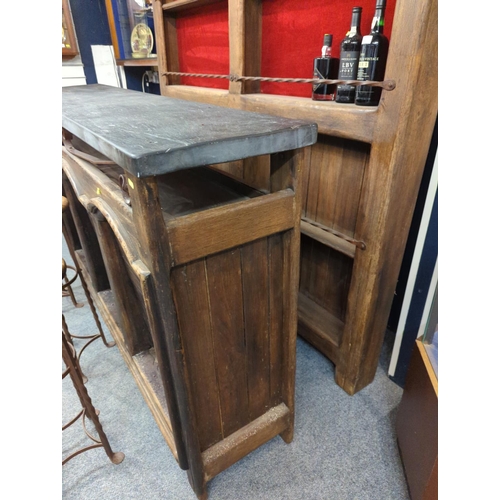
[
  {"x": 326, "y": 67},
  {"x": 373, "y": 59},
  {"x": 349, "y": 57}
]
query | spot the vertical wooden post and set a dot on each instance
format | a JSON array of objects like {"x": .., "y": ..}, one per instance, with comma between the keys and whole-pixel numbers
[
  {"x": 286, "y": 173},
  {"x": 390, "y": 189},
  {"x": 245, "y": 33},
  {"x": 148, "y": 220},
  {"x": 166, "y": 43}
]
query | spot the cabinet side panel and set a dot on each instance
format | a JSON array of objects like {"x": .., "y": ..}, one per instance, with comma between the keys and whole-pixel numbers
[
  {"x": 334, "y": 182},
  {"x": 193, "y": 312},
  {"x": 417, "y": 425},
  {"x": 226, "y": 308},
  {"x": 256, "y": 313},
  {"x": 230, "y": 312}
]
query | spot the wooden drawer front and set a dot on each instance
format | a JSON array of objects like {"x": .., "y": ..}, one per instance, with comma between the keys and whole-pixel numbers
[
  {"x": 90, "y": 182},
  {"x": 332, "y": 187},
  {"x": 92, "y": 187},
  {"x": 230, "y": 311}
]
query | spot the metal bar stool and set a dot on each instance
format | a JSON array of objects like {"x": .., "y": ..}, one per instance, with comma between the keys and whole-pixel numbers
[
  {"x": 66, "y": 287},
  {"x": 88, "y": 410},
  {"x": 65, "y": 329},
  {"x": 69, "y": 290}
]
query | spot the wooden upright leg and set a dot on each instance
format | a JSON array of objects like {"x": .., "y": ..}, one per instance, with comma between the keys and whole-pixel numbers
[
  {"x": 152, "y": 233},
  {"x": 286, "y": 173}
]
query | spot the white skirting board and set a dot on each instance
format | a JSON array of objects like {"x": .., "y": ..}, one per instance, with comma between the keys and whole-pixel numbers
[{"x": 73, "y": 74}]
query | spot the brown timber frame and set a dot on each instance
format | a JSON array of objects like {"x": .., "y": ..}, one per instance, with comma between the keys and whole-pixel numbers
[{"x": 363, "y": 181}]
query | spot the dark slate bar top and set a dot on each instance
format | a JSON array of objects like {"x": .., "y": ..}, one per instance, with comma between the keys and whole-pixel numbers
[{"x": 148, "y": 134}]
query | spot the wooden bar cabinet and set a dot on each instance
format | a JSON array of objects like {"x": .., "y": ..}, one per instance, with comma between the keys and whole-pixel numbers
[
  {"x": 366, "y": 167},
  {"x": 195, "y": 273}
]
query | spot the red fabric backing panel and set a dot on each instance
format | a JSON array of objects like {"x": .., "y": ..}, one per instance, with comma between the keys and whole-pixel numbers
[
  {"x": 203, "y": 42},
  {"x": 292, "y": 36}
]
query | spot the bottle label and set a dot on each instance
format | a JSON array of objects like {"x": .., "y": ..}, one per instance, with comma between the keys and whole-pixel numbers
[
  {"x": 366, "y": 68},
  {"x": 348, "y": 68},
  {"x": 319, "y": 76},
  {"x": 323, "y": 70},
  {"x": 368, "y": 62}
]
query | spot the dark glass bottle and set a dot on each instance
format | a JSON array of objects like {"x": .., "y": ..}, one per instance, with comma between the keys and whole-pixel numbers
[
  {"x": 326, "y": 67},
  {"x": 373, "y": 59},
  {"x": 349, "y": 56}
]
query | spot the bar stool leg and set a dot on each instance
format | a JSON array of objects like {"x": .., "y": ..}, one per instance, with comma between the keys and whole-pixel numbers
[
  {"x": 88, "y": 410},
  {"x": 69, "y": 338},
  {"x": 69, "y": 293}
]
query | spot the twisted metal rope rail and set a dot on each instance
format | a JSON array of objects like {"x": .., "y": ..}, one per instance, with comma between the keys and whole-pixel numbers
[{"x": 386, "y": 84}]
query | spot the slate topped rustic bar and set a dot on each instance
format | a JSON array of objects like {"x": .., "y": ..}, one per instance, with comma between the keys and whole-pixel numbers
[
  {"x": 148, "y": 134},
  {"x": 195, "y": 273}
]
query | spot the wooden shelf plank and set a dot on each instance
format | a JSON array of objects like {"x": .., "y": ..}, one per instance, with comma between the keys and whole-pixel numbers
[
  {"x": 341, "y": 120},
  {"x": 319, "y": 327},
  {"x": 327, "y": 238},
  {"x": 153, "y": 61},
  {"x": 181, "y": 5}
]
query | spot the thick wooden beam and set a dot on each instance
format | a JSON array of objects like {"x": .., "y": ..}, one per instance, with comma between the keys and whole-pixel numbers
[
  {"x": 341, "y": 120},
  {"x": 401, "y": 141},
  {"x": 239, "y": 444},
  {"x": 205, "y": 233}
]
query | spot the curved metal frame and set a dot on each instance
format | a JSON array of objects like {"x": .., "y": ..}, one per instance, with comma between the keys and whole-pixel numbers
[
  {"x": 88, "y": 409},
  {"x": 69, "y": 291},
  {"x": 67, "y": 286}
]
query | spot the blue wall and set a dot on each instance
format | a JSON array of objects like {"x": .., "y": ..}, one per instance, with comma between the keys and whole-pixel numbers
[
  {"x": 91, "y": 25},
  {"x": 92, "y": 28}
]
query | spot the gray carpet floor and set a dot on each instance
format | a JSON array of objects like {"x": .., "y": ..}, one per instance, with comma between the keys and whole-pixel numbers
[{"x": 344, "y": 447}]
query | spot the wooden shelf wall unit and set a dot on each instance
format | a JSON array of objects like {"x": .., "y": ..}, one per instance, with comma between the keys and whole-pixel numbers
[{"x": 363, "y": 182}]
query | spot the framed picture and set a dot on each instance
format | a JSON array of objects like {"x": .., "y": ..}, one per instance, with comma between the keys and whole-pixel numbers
[
  {"x": 132, "y": 31},
  {"x": 69, "y": 48}
]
